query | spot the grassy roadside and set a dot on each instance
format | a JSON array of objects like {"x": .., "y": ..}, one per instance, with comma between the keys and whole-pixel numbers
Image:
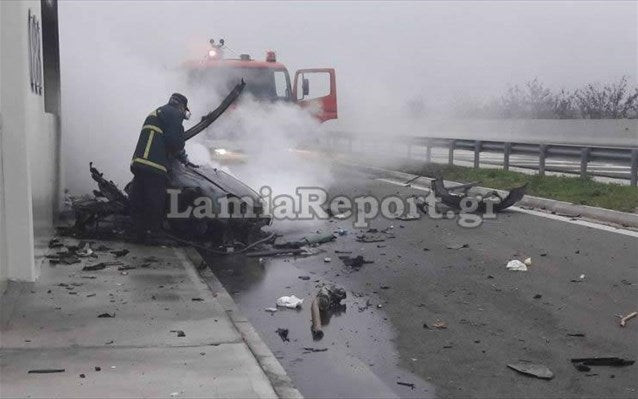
[{"x": 570, "y": 189}]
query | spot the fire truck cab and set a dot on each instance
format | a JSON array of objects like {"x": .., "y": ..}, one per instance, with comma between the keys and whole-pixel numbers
[{"x": 268, "y": 80}]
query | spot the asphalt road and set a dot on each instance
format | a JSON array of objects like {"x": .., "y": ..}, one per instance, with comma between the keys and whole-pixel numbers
[{"x": 493, "y": 316}]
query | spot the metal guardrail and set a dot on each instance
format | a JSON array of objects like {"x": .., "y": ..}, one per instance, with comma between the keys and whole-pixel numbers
[{"x": 618, "y": 155}]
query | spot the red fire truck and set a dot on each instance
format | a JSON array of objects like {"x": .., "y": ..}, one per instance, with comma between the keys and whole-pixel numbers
[{"x": 268, "y": 80}]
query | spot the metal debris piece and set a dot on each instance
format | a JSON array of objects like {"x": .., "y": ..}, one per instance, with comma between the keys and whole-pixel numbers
[
  {"x": 46, "y": 371},
  {"x": 454, "y": 200},
  {"x": 312, "y": 240},
  {"x": 55, "y": 243},
  {"x": 315, "y": 313},
  {"x": 126, "y": 267},
  {"x": 120, "y": 252},
  {"x": 106, "y": 316},
  {"x": 330, "y": 297},
  {"x": 630, "y": 316},
  {"x": 406, "y": 384},
  {"x": 367, "y": 238},
  {"x": 535, "y": 370},
  {"x": 604, "y": 361},
  {"x": 355, "y": 262},
  {"x": 275, "y": 252},
  {"x": 457, "y": 245},
  {"x": 283, "y": 334},
  {"x": 408, "y": 218},
  {"x": 100, "y": 266},
  {"x": 180, "y": 333},
  {"x": 313, "y": 350}
]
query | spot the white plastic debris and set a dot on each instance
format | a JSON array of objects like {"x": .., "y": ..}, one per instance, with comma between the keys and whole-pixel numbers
[
  {"x": 516, "y": 265},
  {"x": 528, "y": 261},
  {"x": 291, "y": 302},
  {"x": 271, "y": 310},
  {"x": 327, "y": 259}
]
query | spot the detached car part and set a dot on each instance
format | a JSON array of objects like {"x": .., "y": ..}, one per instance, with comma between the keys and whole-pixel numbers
[{"x": 499, "y": 203}]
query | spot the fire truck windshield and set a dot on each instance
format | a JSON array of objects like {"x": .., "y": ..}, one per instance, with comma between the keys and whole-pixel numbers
[{"x": 264, "y": 84}]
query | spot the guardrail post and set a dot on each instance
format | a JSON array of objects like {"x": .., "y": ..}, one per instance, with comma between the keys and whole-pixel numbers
[
  {"x": 634, "y": 167},
  {"x": 450, "y": 156},
  {"x": 477, "y": 153},
  {"x": 585, "y": 154},
  {"x": 507, "y": 149},
  {"x": 541, "y": 159}
]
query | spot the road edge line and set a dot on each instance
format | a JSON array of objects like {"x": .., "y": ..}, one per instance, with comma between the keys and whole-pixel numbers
[{"x": 276, "y": 374}]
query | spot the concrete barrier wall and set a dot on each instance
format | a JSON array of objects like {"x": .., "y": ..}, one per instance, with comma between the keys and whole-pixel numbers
[{"x": 28, "y": 149}]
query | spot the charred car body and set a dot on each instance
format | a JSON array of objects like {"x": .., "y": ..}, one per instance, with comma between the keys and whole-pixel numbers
[{"x": 108, "y": 212}]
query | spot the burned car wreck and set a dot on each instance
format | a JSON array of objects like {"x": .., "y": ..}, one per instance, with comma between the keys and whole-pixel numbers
[{"x": 107, "y": 213}]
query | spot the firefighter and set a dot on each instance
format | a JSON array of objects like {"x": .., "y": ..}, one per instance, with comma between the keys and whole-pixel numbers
[{"x": 161, "y": 138}]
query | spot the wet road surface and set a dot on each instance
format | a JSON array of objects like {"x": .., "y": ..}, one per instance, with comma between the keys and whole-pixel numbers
[{"x": 493, "y": 316}]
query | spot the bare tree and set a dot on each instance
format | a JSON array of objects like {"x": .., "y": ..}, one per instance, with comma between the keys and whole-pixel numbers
[{"x": 608, "y": 101}]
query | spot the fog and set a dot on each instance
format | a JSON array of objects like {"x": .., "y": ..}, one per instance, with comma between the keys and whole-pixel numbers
[{"x": 121, "y": 60}]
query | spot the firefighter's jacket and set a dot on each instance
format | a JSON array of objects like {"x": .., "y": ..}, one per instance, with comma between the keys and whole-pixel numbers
[{"x": 162, "y": 136}]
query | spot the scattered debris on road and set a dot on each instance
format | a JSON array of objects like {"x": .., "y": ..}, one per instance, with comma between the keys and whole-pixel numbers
[
  {"x": 498, "y": 203},
  {"x": 314, "y": 350},
  {"x": 601, "y": 361},
  {"x": 180, "y": 333},
  {"x": 120, "y": 252},
  {"x": 271, "y": 310},
  {"x": 457, "y": 245},
  {"x": 105, "y": 316},
  {"x": 100, "y": 266},
  {"x": 580, "y": 279},
  {"x": 312, "y": 240},
  {"x": 534, "y": 370},
  {"x": 439, "y": 324},
  {"x": 406, "y": 384},
  {"x": 55, "y": 243},
  {"x": 516, "y": 265},
  {"x": 46, "y": 371},
  {"x": 355, "y": 262},
  {"x": 291, "y": 302},
  {"x": 283, "y": 334}
]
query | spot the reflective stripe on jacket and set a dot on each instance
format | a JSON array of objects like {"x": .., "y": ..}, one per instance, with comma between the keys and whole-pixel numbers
[{"x": 161, "y": 137}]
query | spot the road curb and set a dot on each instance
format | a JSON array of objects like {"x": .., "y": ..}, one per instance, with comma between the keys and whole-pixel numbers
[
  {"x": 623, "y": 219},
  {"x": 281, "y": 382}
]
